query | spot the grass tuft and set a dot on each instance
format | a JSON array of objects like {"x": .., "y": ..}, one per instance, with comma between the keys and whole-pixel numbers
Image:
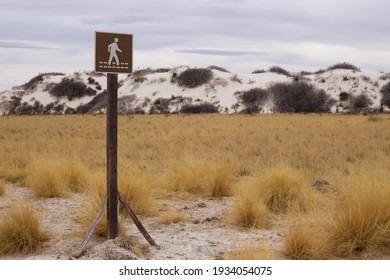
[
  {"x": 91, "y": 204},
  {"x": 45, "y": 179},
  {"x": 284, "y": 189},
  {"x": 76, "y": 175},
  {"x": 135, "y": 189},
  {"x": 249, "y": 211},
  {"x": 302, "y": 242},
  {"x": 221, "y": 184},
  {"x": 20, "y": 231},
  {"x": 362, "y": 221},
  {"x": 187, "y": 177}
]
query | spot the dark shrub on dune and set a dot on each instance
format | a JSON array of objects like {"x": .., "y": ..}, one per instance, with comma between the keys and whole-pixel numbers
[
  {"x": 71, "y": 88},
  {"x": 202, "y": 108},
  {"x": 343, "y": 65},
  {"x": 385, "y": 91},
  {"x": 299, "y": 97},
  {"x": 192, "y": 78}
]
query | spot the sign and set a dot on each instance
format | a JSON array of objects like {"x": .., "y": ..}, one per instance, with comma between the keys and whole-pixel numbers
[{"x": 113, "y": 53}]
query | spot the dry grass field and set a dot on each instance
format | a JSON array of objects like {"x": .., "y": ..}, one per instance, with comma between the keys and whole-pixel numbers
[{"x": 319, "y": 182}]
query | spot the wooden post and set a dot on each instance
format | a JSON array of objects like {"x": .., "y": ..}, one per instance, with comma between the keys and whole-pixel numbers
[{"x": 112, "y": 155}]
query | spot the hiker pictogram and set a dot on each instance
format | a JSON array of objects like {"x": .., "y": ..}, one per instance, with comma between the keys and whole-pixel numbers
[{"x": 112, "y": 49}]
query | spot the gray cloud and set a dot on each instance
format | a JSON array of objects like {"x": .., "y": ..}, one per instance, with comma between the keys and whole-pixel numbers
[
  {"x": 221, "y": 52},
  {"x": 20, "y": 45},
  {"x": 117, "y": 20}
]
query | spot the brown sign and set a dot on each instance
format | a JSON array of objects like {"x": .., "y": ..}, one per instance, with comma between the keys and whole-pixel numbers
[{"x": 113, "y": 53}]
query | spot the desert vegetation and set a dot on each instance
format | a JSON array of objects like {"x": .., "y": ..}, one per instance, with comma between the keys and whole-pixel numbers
[
  {"x": 319, "y": 181},
  {"x": 39, "y": 78},
  {"x": 194, "y": 77},
  {"x": 385, "y": 91},
  {"x": 198, "y": 108},
  {"x": 300, "y": 97},
  {"x": 20, "y": 230},
  {"x": 252, "y": 99},
  {"x": 343, "y": 65},
  {"x": 71, "y": 88},
  {"x": 279, "y": 70}
]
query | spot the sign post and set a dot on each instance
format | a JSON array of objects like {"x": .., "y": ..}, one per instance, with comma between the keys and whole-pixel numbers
[
  {"x": 112, "y": 155},
  {"x": 113, "y": 55}
]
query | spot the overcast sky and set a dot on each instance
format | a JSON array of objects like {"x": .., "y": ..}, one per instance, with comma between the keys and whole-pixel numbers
[{"x": 39, "y": 36}]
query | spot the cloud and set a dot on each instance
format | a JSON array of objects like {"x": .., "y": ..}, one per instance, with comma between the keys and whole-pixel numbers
[
  {"x": 22, "y": 45},
  {"x": 221, "y": 52},
  {"x": 117, "y": 20}
]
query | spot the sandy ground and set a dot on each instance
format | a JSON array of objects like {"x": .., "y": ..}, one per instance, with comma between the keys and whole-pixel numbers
[{"x": 205, "y": 236}]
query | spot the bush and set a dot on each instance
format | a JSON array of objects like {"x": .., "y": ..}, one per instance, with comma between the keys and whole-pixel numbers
[
  {"x": 202, "y": 108},
  {"x": 59, "y": 108},
  {"x": 362, "y": 220},
  {"x": 162, "y": 70},
  {"x": 160, "y": 106},
  {"x": 279, "y": 70},
  {"x": 97, "y": 103},
  {"x": 142, "y": 73},
  {"x": 9, "y": 106},
  {"x": 343, "y": 96},
  {"x": 137, "y": 193},
  {"x": 126, "y": 104},
  {"x": 284, "y": 190},
  {"x": 91, "y": 80},
  {"x": 46, "y": 180},
  {"x": 300, "y": 97},
  {"x": 20, "y": 231},
  {"x": 359, "y": 103},
  {"x": 70, "y": 111},
  {"x": 258, "y": 71},
  {"x": 252, "y": 99},
  {"x": 249, "y": 211},
  {"x": 39, "y": 78},
  {"x": 192, "y": 78},
  {"x": 71, "y": 89},
  {"x": 385, "y": 91},
  {"x": 26, "y": 109},
  {"x": 218, "y": 68},
  {"x": 343, "y": 65},
  {"x": 302, "y": 242}
]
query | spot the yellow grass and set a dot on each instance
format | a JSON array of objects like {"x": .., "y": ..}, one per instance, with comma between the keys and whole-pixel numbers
[
  {"x": 305, "y": 242},
  {"x": 20, "y": 230},
  {"x": 50, "y": 177},
  {"x": 44, "y": 177},
  {"x": 91, "y": 204},
  {"x": 356, "y": 224},
  {"x": 328, "y": 147},
  {"x": 214, "y": 155},
  {"x": 361, "y": 223},
  {"x": 279, "y": 190},
  {"x": 284, "y": 189},
  {"x": 137, "y": 193},
  {"x": 249, "y": 211},
  {"x": 75, "y": 175}
]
